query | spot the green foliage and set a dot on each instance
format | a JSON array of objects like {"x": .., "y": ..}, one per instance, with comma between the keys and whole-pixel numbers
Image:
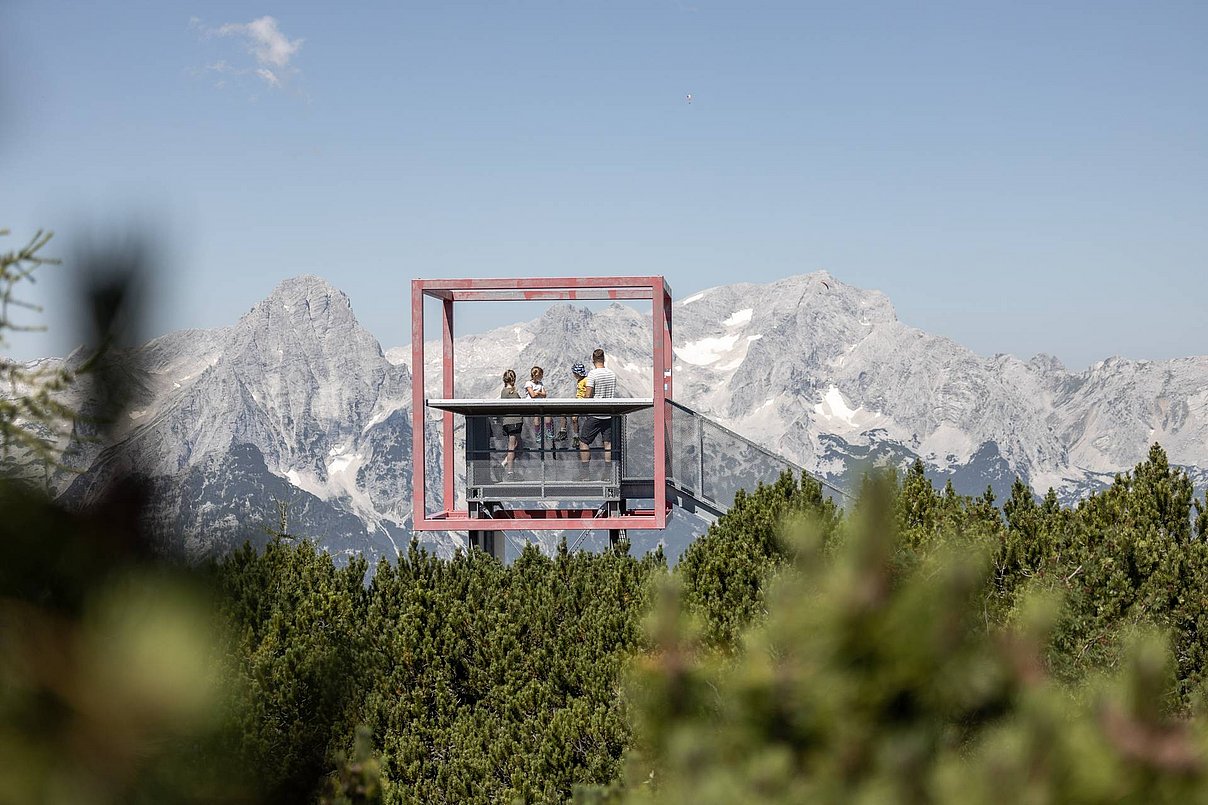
[
  {"x": 300, "y": 626},
  {"x": 874, "y": 681},
  {"x": 1127, "y": 557},
  {"x": 483, "y": 682},
  {"x": 724, "y": 571},
  {"x": 502, "y": 681},
  {"x": 109, "y": 688},
  {"x": 357, "y": 780},
  {"x": 31, "y": 416},
  {"x": 927, "y": 519},
  {"x": 923, "y": 646}
]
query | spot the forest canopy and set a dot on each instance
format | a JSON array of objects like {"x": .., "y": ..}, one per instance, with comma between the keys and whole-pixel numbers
[{"x": 917, "y": 646}]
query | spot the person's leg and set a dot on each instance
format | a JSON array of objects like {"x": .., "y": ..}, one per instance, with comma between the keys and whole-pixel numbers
[
  {"x": 591, "y": 429},
  {"x": 607, "y": 452}
]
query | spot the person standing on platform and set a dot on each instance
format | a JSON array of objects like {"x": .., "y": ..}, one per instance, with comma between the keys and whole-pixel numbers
[
  {"x": 601, "y": 383},
  {"x": 534, "y": 389},
  {"x": 580, "y": 373},
  {"x": 511, "y": 424}
]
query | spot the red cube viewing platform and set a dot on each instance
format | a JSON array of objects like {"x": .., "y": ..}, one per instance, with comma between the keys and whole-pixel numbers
[{"x": 543, "y": 485}]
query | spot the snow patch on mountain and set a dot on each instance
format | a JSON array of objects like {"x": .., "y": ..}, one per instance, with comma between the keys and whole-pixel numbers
[
  {"x": 947, "y": 445},
  {"x": 706, "y": 350},
  {"x": 740, "y": 318},
  {"x": 835, "y": 415}
]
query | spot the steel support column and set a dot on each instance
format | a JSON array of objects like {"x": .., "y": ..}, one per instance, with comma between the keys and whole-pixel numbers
[
  {"x": 660, "y": 340},
  {"x": 447, "y": 386},
  {"x": 418, "y": 414}
]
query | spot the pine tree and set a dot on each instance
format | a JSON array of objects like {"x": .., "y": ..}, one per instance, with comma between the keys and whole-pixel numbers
[
  {"x": 874, "y": 681},
  {"x": 724, "y": 572},
  {"x": 32, "y": 417}
]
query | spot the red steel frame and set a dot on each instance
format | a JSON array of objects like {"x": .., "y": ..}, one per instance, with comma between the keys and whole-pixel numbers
[{"x": 654, "y": 288}]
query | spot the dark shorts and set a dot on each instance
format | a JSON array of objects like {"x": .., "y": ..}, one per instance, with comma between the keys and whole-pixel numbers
[
  {"x": 512, "y": 430},
  {"x": 591, "y": 427}
]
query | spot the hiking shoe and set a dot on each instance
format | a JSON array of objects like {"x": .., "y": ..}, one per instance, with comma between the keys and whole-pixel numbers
[{"x": 561, "y": 437}]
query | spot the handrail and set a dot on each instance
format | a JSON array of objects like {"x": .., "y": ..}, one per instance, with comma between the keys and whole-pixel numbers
[{"x": 701, "y": 419}]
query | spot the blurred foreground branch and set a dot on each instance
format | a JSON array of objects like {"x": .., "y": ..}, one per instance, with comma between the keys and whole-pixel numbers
[{"x": 32, "y": 417}]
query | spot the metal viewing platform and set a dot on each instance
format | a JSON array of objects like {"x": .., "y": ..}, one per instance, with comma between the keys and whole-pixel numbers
[
  {"x": 654, "y": 453},
  {"x": 542, "y": 484}
]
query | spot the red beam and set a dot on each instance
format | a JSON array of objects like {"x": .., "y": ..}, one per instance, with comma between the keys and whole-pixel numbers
[
  {"x": 464, "y": 523},
  {"x": 447, "y": 383},
  {"x": 417, "y": 399},
  {"x": 660, "y": 339},
  {"x": 551, "y": 295},
  {"x": 435, "y": 287}
]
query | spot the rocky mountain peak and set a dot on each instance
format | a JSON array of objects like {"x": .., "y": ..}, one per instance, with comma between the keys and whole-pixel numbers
[
  {"x": 1047, "y": 364},
  {"x": 562, "y": 318},
  {"x": 307, "y": 301},
  {"x": 306, "y": 319}
]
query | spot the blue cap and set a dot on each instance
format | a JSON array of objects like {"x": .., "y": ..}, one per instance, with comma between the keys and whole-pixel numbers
[{"x": 579, "y": 369}]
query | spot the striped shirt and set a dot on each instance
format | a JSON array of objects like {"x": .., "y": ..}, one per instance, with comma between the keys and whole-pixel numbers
[{"x": 603, "y": 383}]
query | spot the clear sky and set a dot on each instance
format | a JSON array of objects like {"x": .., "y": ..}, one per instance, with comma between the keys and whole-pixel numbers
[{"x": 1019, "y": 176}]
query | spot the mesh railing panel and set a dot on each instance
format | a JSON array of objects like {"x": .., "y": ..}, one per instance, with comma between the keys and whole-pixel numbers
[
  {"x": 683, "y": 447},
  {"x": 729, "y": 463},
  {"x": 639, "y": 444},
  {"x": 733, "y": 463}
]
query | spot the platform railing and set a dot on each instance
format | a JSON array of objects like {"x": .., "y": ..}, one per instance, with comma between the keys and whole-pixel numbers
[
  {"x": 711, "y": 463},
  {"x": 706, "y": 463},
  {"x": 540, "y": 466}
]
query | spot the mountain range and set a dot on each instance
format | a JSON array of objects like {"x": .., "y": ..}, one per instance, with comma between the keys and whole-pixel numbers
[{"x": 297, "y": 402}]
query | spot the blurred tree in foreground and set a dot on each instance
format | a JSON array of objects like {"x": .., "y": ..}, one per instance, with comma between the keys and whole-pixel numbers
[
  {"x": 110, "y": 662},
  {"x": 31, "y": 416},
  {"x": 872, "y": 682}
]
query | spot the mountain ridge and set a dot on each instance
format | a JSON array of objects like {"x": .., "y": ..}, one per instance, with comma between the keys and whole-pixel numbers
[{"x": 297, "y": 399}]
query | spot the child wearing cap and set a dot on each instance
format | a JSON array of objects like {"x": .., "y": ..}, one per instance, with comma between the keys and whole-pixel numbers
[{"x": 580, "y": 373}]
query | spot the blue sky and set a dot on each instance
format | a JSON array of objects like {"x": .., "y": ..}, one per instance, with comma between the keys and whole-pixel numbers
[{"x": 1021, "y": 177}]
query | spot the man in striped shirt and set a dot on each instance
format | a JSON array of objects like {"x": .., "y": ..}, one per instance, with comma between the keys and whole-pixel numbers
[{"x": 601, "y": 382}]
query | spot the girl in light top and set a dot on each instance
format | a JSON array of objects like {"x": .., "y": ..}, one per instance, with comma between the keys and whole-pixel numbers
[
  {"x": 511, "y": 424},
  {"x": 535, "y": 390}
]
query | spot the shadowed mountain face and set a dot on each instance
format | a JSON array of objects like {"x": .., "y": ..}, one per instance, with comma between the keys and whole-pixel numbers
[{"x": 297, "y": 402}]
